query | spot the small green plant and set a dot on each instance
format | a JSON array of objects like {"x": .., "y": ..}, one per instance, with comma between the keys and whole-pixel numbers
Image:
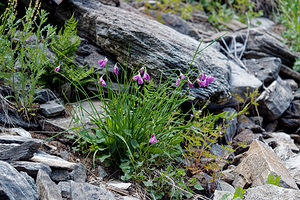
[
  {"x": 273, "y": 180},
  {"x": 239, "y": 193},
  {"x": 22, "y": 65}
]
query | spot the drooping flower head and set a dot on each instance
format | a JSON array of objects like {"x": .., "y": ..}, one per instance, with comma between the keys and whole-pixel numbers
[
  {"x": 153, "y": 139},
  {"x": 190, "y": 84},
  {"x": 177, "y": 82},
  {"x": 138, "y": 78},
  {"x": 182, "y": 76},
  {"x": 57, "y": 68},
  {"x": 210, "y": 79},
  {"x": 103, "y": 62},
  {"x": 142, "y": 70},
  {"x": 146, "y": 76},
  {"x": 116, "y": 69},
  {"x": 101, "y": 81}
]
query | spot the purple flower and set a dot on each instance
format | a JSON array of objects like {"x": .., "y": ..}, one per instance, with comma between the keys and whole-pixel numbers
[
  {"x": 57, "y": 68},
  {"x": 101, "y": 81},
  {"x": 177, "y": 82},
  {"x": 190, "y": 84},
  {"x": 138, "y": 78},
  {"x": 202, "y": 77},
  {"x": 152, "y": 139},
  {"x": 15, "y": 68},
  {"x": 102, "y": 63},
  {"x": 142, "y": 70},
  {"x": 146, "y": 76},
  {"x": 192, "y": 115},
  {"x": 182, "y": 76},
  {"x": 209, "y": 80},
  {"x": 201, "y": 83},
  {"x": 116, "y": 69}
]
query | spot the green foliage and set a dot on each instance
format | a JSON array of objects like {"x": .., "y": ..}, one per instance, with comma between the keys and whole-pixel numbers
[
  {"x": 219, "y": 12},
  {"x": 22, "y": 65},
  {"x": 239, "y": 193},
  {"x": 290, "y": 18},
  {"x": 273, "y": 180}
]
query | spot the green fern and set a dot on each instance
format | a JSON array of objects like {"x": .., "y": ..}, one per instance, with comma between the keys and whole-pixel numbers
[{"x": 66, "y": 43}]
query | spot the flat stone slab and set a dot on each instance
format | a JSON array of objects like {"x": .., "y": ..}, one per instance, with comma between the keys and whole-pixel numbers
[{"x": 52, "y": 161}]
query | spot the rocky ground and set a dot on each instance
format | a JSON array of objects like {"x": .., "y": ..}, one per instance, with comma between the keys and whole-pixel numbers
[{"x": 39, "y": 163}]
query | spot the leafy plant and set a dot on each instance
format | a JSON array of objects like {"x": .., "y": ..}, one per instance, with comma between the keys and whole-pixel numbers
[
  {"x": 22, "y": 65},
  {"x": 239, "y": 193},
  {"x": 273, "y": 180}
]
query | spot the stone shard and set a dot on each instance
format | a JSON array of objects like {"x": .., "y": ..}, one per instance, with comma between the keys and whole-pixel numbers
[
  {"x": 13, "y": 185},
  {"x": 46, "y": 188},
  {"x": 150, "y": 43},
  {"x": 271, "y": 192},
  {"x": 275, "y": 100},
  {"x": 265, "y": 69},
  {"x": 53, "y": 161},
  {"x": 258, "y": 164},
  {"x": 51, "y": 108},
  {"x": 44, "y": 95},
  {"x": 17, "y": 148},
  {"x": 241, "y": 81},
  {"x": 31, "y": 168},
  {"x": 81, "y": 191},
  {"x": 292, "y": 164}
]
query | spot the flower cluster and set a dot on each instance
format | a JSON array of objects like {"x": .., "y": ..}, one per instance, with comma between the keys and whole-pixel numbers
[
  {"x": 142, "y": 76},
  {"x": 203, "y": 81},
  {"x": 153, "y": 139},
  {"x": 102, "y": 64}
]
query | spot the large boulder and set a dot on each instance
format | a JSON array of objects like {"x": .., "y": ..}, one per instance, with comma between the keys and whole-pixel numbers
[{"x": 148, "y": 43}]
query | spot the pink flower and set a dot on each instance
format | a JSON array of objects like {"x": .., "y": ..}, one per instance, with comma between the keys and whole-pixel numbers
[
  {"x": 101, "y": 81},
  {"x": 116, "y": 69},
  {"x": 202, "y": 77},
  {"x": 15, "y": 67},
  {"x": 177, "y": 82},
  {"x": 152, "y": 139},
  {"x": 190, "y": 84},
  {"x": 138, "y": 78},
  {"x": 182, "y": 76},
  {"x": 57, "y": 69},
  {"x": 102, "y": 63},
  {"x": 142, "y": 70},
  {"x": 210, "y": 79},
  {"x": 146, "y": 76}
]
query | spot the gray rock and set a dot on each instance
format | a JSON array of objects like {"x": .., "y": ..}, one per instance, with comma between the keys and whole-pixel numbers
[
  {"x": 156, "y": 46},
  {"x": 271, "y": 192},
  {"x": 292, "y": 83},
  {"x": 265, "y": 69},
  {"x": 17, "y": 147},
  {"x": 30, "y": 180},
  {"x": 232, "y": 127},
  {"x": 289, "y": 73},
  {"x": 274, "y": 101},
  {"x": 245, "y": 122},
  {"x": 46, "y": 188},
  {"x": 262, "y": 22},
  {"x": 31, "y": 168},
  {"x": 219, "y": 194},
  {"x": 242, "y": 82},
  {"x": 262, "y": 43},
  {"x": 290, "y": 120},
  {"x": 81, "y": 191},
  {"x": 258, "y": 164},
  {"x": 271, "y": 127},
  {"x": 284, "y": 146},
  {"x": 223, "y": 186},
  {"x": 245, "y": 137},
  {"x": 13, "y": 185},
  {"x": 51, "y": 108},
  {"x": 19, "y": 131},
  {"x": 292, "y": 164},
  {"x": 44, "y": 95},
  {"x": 78, "y": 174},
  {"x": 101, "y": 172},
  {"x": 65, "y": 188},
  {"x": 53, "y": 161}
]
